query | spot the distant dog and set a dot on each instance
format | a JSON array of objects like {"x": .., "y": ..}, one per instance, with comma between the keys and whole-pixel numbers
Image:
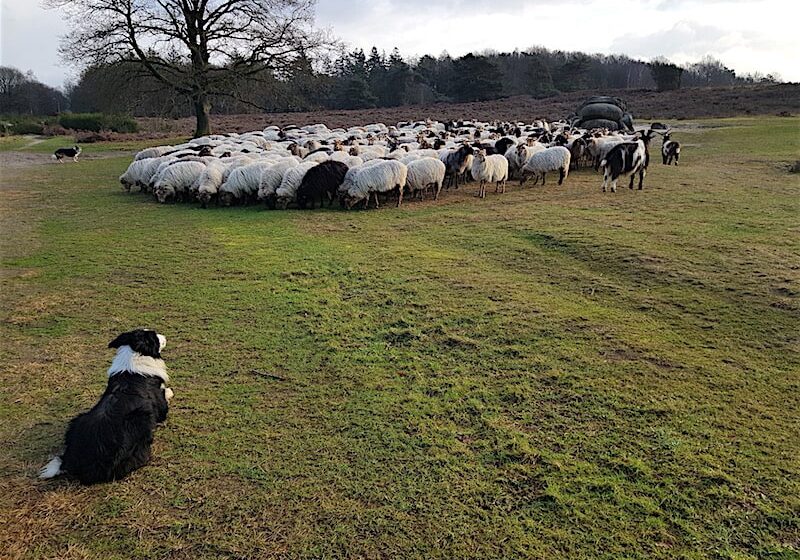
[
  {"x": 113, "y": 439},
  {"x": 62, "y": 153}
]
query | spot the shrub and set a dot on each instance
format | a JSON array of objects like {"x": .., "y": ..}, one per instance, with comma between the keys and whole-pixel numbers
[
  {"x": 95, "y": 122},
  {"x": 24, "y": 124}
]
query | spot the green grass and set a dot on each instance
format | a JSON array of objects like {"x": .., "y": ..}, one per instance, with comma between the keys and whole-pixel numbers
[{"x": 552, "y": 373}]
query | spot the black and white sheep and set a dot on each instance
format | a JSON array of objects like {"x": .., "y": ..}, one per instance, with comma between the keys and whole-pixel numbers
[
  {"x": 670, "y": 150},
  {"x": 457, "y": 163},
  {"x": 628, "y": 158}
]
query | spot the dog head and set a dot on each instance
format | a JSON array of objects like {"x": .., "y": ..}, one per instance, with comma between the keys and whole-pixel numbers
[{"x": 143, "y": 341}]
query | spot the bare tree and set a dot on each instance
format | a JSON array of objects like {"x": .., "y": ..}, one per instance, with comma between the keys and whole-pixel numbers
[{"x": 199, "y": 48}]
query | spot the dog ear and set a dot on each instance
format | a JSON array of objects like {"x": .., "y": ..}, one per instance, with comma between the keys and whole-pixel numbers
[
  {"x": 146, "y": 343},
  {"x": 122, "y": 340}
]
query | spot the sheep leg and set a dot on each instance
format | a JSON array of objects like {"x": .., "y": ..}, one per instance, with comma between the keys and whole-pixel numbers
[
  {"x": 642, "y": 173},
  {"x": 377, "y": 204},
  {"x": 438, "y": 190},
  {"x": 630, "y": 185},
  {"x": 544, "y": 177},
  {"x": 399, "y": 195},
  {"x": 561, "y": 175}
]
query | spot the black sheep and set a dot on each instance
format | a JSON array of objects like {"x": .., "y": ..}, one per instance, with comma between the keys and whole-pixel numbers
[
  {"x": 502, "y": 145},
  {"x": 320, "y": 181}
]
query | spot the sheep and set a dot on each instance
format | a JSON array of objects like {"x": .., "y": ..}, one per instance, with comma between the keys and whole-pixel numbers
[
  {"x": 209, "y": 182},
  {"x": 521, "y": 154},
  {"x": 157, "y": 151},
  {"x": 670, "y": 150},
  {"x": 242, "y": 183},
  {"x": 287, "y": 190},
  {"x": 489, "y": 169},
  {"x": 556, "y": 158},
  {"x": 176, "y": 179},
  {"x": 384, "y": 176},
  {"x": 367, "y": 153},
  {"x": 317, "y": 157},
  {"x": 135, "y": 173},
  {"x": 423, "y": 173},
  {"x": 271, "y": 179},
  {"x": 628, "y": 158},
  {"x": 321, "y": 181},
  {"x": 457, "y": 162}
]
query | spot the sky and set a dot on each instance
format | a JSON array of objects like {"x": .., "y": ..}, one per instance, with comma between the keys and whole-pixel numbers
[{"x": 748, "y": 36}]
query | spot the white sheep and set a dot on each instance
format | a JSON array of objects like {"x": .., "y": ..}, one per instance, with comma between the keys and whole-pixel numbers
[
  {"x": 242, "y": 183},
  {"x": 556, "y": 158},
  {"x": 423, "y": 173},
  {"x": 287, "y": 191},
  {"x": 381, "y": 177},
  {"x": 209, "y": 182},
  {"x": 135, "y": 173},
  {"x": 156, "y": 151},
  {"x": 489, "y": 169},
  {"x": 271, "y": 179},
  {"x": 176, "y": 180},
  {"x": 317, "y": 157}
]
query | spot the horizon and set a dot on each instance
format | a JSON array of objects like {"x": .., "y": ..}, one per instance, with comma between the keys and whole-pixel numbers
[{"x": 674, "y": 30}]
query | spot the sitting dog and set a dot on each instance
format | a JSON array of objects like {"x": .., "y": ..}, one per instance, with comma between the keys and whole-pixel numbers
[
  {"x": 72, "y": 152},
  {"x": 113, "y": 438}
]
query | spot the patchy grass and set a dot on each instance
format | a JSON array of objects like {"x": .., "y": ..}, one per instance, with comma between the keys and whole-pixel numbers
[{"x": 555, "y": 372}]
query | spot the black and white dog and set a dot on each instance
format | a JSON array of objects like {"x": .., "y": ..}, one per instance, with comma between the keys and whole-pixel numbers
[
  {"x": 62, "y": 153},
  {"x": 113, "y": 439}
]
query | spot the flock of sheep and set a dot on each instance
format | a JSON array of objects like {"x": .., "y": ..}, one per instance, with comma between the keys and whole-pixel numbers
[{"x": 303, "y": 165}]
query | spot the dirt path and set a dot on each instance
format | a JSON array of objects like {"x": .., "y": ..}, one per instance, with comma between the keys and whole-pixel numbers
[{"x": 21, "y": 160}]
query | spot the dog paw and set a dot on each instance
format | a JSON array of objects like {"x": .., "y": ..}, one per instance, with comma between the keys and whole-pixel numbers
[{"x": 168, "y": 393}]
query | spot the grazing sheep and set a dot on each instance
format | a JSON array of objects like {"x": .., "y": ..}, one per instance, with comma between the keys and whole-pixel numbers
[
  {"x": 242, "y": 183},
  {"x": 489, "y": 169},
  {"x": 423, "y": 173},
  {"x": 384, "y": 176},
  {"x": 208, "y": 183},
  {"x": 271, "y": 179},
  {"x": 135, "y": 173},
  {"x": 175, "y": 180},
  {"x": 670, "y": 150},
  {"x": 556, "y": 158},
  {"x": 320, "y": 182},
  {"x": 287, "y": 191}
]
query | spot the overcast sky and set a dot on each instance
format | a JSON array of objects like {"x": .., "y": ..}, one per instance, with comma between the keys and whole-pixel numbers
[{"x": 747, "y": 36}]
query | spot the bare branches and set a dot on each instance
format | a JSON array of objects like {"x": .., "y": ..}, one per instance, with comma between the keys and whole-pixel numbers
[{"x": 195, "y": 47}]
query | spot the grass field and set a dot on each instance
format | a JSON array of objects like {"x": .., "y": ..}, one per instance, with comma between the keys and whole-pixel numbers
[{"x": 551, "y": 373}]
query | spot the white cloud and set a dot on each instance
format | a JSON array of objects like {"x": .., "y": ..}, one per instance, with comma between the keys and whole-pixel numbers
[{"x": 746, "y": 35}]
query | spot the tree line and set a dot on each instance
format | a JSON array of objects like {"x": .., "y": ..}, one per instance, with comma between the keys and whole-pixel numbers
[{"x": 354, "y": 79}]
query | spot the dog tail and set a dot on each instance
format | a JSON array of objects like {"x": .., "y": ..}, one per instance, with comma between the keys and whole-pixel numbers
[
  {"x": 54, "y": 156},
  {"x": 51, "y": 469}
]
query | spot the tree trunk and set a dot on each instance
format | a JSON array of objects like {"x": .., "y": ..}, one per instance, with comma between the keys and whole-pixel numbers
[{"x": 202, "y": 110}]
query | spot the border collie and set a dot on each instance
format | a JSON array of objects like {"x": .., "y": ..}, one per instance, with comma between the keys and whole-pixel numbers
[
  {"x": 72, "y": 152},
  {"x": 113, "y": 439}
]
